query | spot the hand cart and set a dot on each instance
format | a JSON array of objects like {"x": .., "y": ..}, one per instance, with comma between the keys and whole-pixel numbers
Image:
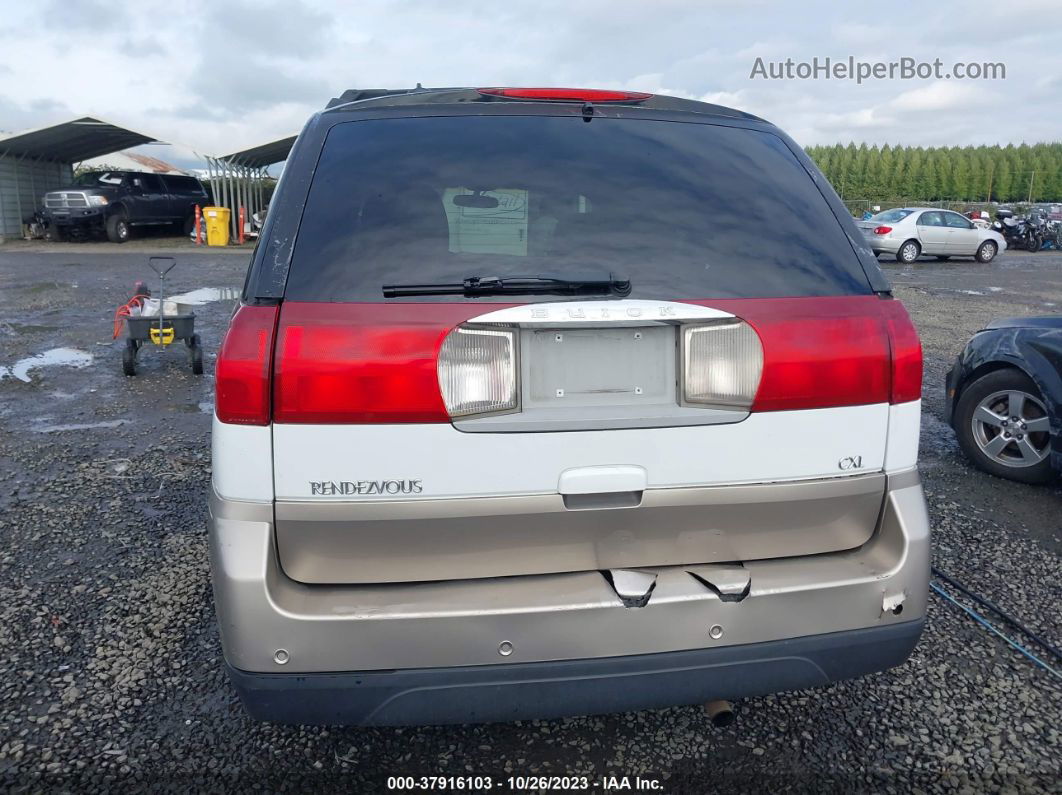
[{"x": 161, "y": 330}]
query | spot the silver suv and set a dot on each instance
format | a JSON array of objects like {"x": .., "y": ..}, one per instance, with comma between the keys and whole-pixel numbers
[{"x": 558, "y": 401}]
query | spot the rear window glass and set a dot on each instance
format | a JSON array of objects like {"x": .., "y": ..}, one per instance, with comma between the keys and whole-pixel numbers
[
  {"x": 891, "y": 216},
  {"x": 178, "y": 184},
  {"x": 681, "y": 209}
]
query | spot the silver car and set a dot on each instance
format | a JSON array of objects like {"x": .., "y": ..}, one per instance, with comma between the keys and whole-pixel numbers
[{"x": 909, "y": 232}]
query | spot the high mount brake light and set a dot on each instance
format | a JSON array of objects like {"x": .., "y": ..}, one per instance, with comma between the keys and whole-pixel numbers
[
  {"x": 567, "y": 94},
  {"x": 882, "y": 230}
]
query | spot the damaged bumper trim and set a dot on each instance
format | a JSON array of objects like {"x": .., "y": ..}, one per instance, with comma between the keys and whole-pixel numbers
[
  {"x": 490, "y": 693},
  {"x": 567, "y": 616}
]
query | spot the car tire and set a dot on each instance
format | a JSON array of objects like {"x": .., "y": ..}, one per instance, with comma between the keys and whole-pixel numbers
[
  {"x": 993, "y": 393},
  {"x": 986, "y": 252},
  {"x": 129, "y": 358},
  {"x": 187, "y": 226},
  {"x": 943, "y": 257},
  {"x": 57, "y": 234},
  {"x": 908, "y": 252},
  {"x": 118, "y": 229},
  {"x": 195, "y": 347}
]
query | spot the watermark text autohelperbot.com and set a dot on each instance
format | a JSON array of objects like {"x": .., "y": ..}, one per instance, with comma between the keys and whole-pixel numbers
[{"x": 851, "y": 68}]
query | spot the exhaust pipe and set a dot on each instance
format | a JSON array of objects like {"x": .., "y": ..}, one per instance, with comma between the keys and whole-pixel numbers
[{"x": 720, "y": 713}]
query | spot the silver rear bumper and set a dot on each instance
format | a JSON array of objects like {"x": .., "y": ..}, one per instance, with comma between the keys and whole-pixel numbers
[
  {"x": 491, "y": 693},
  {"x": 273, "y": 625}
]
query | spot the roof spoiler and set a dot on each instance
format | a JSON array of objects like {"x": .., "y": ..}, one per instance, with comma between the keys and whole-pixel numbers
[{"x": 358, "y": 94}]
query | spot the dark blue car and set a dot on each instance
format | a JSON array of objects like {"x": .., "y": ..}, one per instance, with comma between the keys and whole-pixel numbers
[{"x": 1004, "y": 398}]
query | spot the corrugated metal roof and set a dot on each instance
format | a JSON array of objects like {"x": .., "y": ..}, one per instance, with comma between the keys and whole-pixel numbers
[
  {"x": 73, "y": 141},
  {"x": 133, "y": 161},
  {"x": 263, "y": 155}
]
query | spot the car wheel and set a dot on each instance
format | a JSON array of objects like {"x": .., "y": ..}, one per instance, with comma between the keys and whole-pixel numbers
[
  {"x": 908, "y": 252},
  {"x": 943, "y": 257},
  {"x": 987, "y": 251},
  {"x": 57, "y": 234},
  {"x": 118, "y": 230},
  {"x": 129, "y": 358},
  {"x": 1004, "y": 428},
  {"x": 188, "y": 226}
]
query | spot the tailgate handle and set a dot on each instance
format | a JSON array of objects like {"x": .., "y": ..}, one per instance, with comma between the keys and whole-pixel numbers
[
  {"x": 588, "y": 488},
  {"x": 595, "y": 480},
  {"x": 607, "y": 499}
]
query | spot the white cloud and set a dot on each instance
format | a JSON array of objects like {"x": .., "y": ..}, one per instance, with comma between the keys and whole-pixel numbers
[
  {"x": 232, "y": 75},
  {"x": 939, "y": 96}
]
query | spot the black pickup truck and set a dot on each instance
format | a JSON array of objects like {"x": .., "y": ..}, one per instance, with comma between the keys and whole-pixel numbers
[{"x": 116, "y": 202}]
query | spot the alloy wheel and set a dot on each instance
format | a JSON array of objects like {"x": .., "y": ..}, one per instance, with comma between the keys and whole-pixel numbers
[{"x": 1012, "y": 428}]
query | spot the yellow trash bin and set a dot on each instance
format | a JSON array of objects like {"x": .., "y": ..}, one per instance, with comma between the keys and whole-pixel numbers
[{"x": 217, "y": 225}]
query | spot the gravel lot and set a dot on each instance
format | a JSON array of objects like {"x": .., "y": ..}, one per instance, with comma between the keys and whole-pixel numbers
[{"x": 111, "y": 675}]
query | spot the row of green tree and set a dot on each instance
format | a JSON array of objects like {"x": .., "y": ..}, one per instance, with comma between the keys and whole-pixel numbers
[{"x": 968, "y": 173}]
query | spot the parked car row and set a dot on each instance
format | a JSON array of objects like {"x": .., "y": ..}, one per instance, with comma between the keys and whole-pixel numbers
[
  {"x": 908, "y": 233},
  {"x": 115, "y": 203}
]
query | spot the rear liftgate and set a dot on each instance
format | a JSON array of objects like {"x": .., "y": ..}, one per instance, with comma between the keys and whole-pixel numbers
[{"x": 428, "y": 442}]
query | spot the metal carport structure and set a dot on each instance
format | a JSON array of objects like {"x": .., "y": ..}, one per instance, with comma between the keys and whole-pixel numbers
[
  {"x": 237, "y": 180},
  {"x": 37, "y": 161}
]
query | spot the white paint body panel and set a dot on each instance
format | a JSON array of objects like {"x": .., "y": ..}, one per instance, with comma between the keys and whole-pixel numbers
[
  {"x": 904, "y": 427},
  {"x": 765, "y": 447},
  {"x": 242, "y": 466}
]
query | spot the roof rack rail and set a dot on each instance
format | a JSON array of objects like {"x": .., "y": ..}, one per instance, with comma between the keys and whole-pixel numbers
[{"x": 358, "y": 94}]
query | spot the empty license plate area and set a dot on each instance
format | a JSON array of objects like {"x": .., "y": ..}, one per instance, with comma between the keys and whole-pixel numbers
[{"x": 579, "y": 368}]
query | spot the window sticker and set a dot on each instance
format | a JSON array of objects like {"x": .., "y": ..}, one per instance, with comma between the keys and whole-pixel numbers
[{"x": 487, "y": 221}]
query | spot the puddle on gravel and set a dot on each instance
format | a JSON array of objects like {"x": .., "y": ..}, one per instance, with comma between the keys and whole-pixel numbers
[
  {"x": 45, "y": 287},
  {"x": 28, "y": 328},
  {"x": 79, "y": 426},
  {"x": 206, "y": 295},
  {"x": 68, "y": 357}
]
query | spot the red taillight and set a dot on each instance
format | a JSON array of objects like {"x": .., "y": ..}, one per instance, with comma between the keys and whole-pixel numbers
[
  {"x": 567, "y": 94},
  {"x": 242, "y": 377},
  {"x": 362, "y": 363},
  {"x": 827, "y": 352},
  {"x": 906, "y": 354},
  {"x": 882, "y": 230},
  {"x": 378, "y": 363}
]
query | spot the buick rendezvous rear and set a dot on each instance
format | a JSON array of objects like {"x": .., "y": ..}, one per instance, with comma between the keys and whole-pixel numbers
[{"x": 525, "y": 412}]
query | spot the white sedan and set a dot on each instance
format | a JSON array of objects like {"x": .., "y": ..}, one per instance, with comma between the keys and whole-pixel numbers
[{"x": 909, "y": 232}]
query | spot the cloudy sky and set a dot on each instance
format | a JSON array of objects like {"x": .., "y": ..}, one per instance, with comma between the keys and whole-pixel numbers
[{"x": 216, "y": 77}]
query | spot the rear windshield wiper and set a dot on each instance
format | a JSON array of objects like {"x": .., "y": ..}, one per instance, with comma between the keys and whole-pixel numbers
[{"x": 514, "y": 285}]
